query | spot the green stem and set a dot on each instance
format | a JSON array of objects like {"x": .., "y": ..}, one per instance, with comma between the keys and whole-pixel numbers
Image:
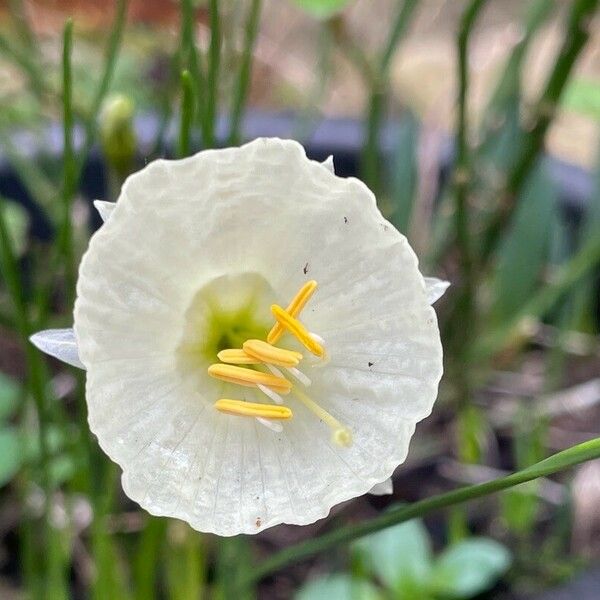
[
  {"x": 187, "y": 114},
  {"x": 344, "y": 535},
  {"x": 214, "y": 60},
  {"x": 69, "y": 165},
  {"x": 465, "y": 308},
  {"x": 370, "y": 156},
  {"x": 114, "y": 43},
  {"x": 36, "y": 379},
  {"x": 240, "y": 94},
  {"x": 576, "y": 36},
  {"x": 190, "y": 60}
]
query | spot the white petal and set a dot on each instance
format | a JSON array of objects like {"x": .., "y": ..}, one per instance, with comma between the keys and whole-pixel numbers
[
  {"x": 60, "y": 343},
  {"x": 435, "y": 288},
  {"x": 104, "y": 208},
  {"x": 383, "y": 489},
  {"x": 328, "y": 164},
  {"x": 250, "y": 225}
]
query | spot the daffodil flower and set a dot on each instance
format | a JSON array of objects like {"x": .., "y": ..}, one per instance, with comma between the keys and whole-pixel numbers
[{"x": 258, "y": 339}]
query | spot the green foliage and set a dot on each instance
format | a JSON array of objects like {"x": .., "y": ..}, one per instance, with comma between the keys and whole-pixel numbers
[
  {"x": 17, "y": 223},
  {"x": 322, "y": 9},
  {"x": 400, "y": 556},
  {"x": 11, "y": 453},
  {"x": 11, "y": 442},
  {"x": 469, "y": 567},
  {"x": 400, "y": 559},
  {"x": 338, "y": 587}
]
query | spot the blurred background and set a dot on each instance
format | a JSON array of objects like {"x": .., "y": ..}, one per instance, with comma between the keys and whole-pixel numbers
[{"x": 477, "y": 125}]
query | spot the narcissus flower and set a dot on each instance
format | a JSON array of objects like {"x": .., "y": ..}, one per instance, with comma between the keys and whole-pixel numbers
[{"x": 259, "y": 342}]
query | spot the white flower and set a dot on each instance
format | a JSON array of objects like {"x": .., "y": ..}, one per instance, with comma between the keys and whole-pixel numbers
[{"x": 189, "y": 263}]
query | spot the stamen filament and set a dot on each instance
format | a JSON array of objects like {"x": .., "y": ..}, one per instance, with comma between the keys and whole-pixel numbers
[
  {"x": 267, "y": 353},
  {"x": 294, "y": 308},
  {"x": 341, "y": 435},
  {"x": 298, "y": 330},
  {"x": 269, "y": 392},
  {"x": 299, "y": 375},
  {"x": 249, "y": 377},
  {"x": 241, "y": 408},
  {"x": 272, "y": 425},
  {"x": 236, "y": 356}
]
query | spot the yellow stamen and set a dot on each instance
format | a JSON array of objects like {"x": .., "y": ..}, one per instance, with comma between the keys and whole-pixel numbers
[
  {"x": 249, "y": 377},
  {"x": 341, "y": 435},
  {"x": 252, "y": 409},
  {"x": 294, "y": 308},
  {"x": 271, "y": 354},
  {"x": 236, "y": 356},
  {"x": 298, "y": 330}
]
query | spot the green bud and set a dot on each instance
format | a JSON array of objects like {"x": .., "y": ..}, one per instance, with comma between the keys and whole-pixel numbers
[{"x": 117, "y": 134}]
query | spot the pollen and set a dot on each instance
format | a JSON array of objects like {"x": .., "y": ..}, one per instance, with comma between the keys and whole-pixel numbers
[
  {"x": 249, "y": 377},
  {"x": 236, "y": 356},
  {"x": 267, "y": 353},
  {"x": 282, "y": 363},
  {"x": 241, "y": 408},
  {"x": 297, "y": 329},
  {"x": 294, "y": 308}
]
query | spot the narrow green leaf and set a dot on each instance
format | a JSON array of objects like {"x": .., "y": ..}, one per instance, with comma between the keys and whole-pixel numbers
[
  {"x": 524, "y": 251},
  {"x": 399, "y": 556},
  {"x": 469, "y": 568},
  {"x": 404, "y": 174}
]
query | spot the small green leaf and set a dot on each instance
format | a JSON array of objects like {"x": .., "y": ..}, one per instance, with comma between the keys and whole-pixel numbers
[
  {"x": 400, "y": 556},
  {"x": 322, "y": 9},
  {"x": 17, "y": 223},
  {"x": 9, "y": 396},
  {"x": 338, "y": 587},
  {"x": 469, "y": 568},
  {"x": 583, "y": 96},
  {"x": 404, "y": 174},
  {"x": 11, "y": 453}
]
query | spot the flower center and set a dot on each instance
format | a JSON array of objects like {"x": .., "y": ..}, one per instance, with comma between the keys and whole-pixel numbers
[{"x": 262, "y": 361}]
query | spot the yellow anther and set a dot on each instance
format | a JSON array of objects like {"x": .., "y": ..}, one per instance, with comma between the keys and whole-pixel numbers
[
  {"x": 236, "y": 356},
  {"x": 298, "y": 330},
  {"x": 294, "y": 308},
  {"x": 252, "y": 409},
  {"x": 249, "y": 377},
  {"x": 341, "y": 435},
  {"x": 267, "y": 353}
]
